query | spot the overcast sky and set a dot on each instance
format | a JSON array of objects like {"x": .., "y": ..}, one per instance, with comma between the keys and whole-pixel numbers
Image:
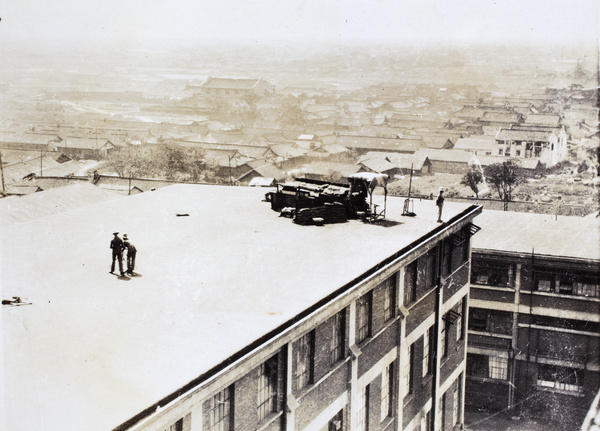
[{"x": 129, "y": 23}]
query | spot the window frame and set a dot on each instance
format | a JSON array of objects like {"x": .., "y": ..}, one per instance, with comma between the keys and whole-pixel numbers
[
  {"x": 387, "y": 392},
  {"x": 221, "y": 410},
  {"x": 268, "y": 388},
  {"x": 411, "y": 273},
  {"x": 408, "y": 378},
  {"x": 427, "y": 351},
  {"x": 364, "y": 317},
  {"x": 338, "y": 337},
  {"x": 304, "y": 360},
  {"x": 497, "y": 368},
  {"x": 389, "y": 298}
]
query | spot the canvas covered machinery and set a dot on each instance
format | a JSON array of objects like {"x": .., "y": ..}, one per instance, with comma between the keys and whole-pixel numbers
[{"x": 320, "y": 202}]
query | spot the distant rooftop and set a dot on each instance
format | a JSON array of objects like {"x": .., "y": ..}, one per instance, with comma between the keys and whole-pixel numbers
[
  {"x": 93, "y": 350},
  {"x": 576, "y": 237}
]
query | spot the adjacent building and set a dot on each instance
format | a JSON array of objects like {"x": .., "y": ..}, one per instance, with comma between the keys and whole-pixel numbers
[
  {"x": 236, "y": 318},
  {"x": 234, "y": 87},
  {"x": 547, "y": 144},
  {"x": 534, "y": 315}
]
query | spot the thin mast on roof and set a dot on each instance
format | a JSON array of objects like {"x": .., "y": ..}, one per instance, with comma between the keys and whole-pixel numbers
[{"x": 408, "y": 203}]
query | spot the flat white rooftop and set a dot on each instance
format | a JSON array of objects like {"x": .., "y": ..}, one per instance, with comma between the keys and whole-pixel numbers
[
  {"x": 93, "y": 350},
  {"x": 541, "y": 234}
]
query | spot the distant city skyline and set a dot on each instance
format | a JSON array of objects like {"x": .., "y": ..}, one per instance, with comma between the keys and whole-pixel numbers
[{"x": 132, "y": 24}]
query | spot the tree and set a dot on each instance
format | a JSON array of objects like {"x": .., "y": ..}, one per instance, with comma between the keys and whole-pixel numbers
[
  {"x": 472, "y": 178},
  {"x": 292, "y": 115},
  {"x": 580, "y": 74},
  {"x": 505, "y": 177}
]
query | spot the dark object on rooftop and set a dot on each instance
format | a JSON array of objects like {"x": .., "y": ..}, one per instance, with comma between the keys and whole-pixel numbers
[
  {"x": 15, "y": 301},
  {"x": 183, "y": 215},
  {"x": 312, "y": 202}
]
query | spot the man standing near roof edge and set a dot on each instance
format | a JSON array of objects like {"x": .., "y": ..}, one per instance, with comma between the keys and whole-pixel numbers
[
  {"x": 117, "y": 253},
  {"x": 440, "y": 204},
  {"x": 131, "y": 252}
]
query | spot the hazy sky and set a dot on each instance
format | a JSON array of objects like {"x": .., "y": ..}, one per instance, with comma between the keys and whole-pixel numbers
[{"x": 128, "y": 23}]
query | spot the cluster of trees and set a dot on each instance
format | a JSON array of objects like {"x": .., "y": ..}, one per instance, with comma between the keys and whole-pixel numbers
[
  {"x": 169, "y": 161},
  {"x": 504, "y": 177}
]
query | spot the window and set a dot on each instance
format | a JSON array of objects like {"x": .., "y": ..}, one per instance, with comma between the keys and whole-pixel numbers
[
  {"x": 338, "y": 337},
  {"x": 183, "y": 424},
  {"x": 441, "y": 419},
  {"x": 488, "y": 272},
  {"x": 459, "y": 321},
  {"x": 498, "y": 368},
  {"x": 267, "y": 387},
  {"x": 456, "y": 401},
  {"x": 428, "y": 421},
  {"x": 560, "y": 378},
  {"x": 431, "y": 268},
  {"x": 363, "y": 410},
  {"x": 337, "y": 422},
  {"x": 387, "y": 391},
  {"x": 364, "y": 312},
  {"x": 427, "y": 351},
  {"x": 305, "y": 360},
  {"x": 483, "y": 366},
  {"x": 389, "y": 298},
  {"x": 221, "y": 411},
  {"x": 494, "y": 321},
  {"x": 444, "y": 338},
  {"x": 410, "y": 283},
  {"x": 408, "y": 370},
  {"x": 456, "y": 251}
]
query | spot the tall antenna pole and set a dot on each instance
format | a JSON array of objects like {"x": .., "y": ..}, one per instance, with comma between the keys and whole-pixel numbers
[{"x": 2, "y": 171}]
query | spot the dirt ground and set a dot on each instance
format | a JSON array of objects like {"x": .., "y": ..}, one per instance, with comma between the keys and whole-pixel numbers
[
  {"x": 548, "y": 193},
  {"x": 504, "y": 421}
]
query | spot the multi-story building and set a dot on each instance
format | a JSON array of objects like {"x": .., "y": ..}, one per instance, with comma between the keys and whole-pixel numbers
[
  {"x": 233, "y": 87},
  {"x": 235, "y": 318},
  {"x": 547, "y": 144},
  {"x": 534, "y": 314}
]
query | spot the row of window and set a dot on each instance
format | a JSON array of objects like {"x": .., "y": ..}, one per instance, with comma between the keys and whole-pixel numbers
[
  {"x": 426, "y": 423},
  {"x": 488, "y": 272},
  {"x": 492, "y": 273},
  {"x": 364, "y": 401},
  {"x": 568, "y": 283},
  {"x": 422, "y": 274},
  {"x": 548, "y": 376},
  {"x": 428, "y": 351},
  {"x": 270, "y": 399}
]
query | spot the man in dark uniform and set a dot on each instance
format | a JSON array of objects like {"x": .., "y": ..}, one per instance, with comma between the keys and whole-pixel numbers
[
  {"x": 117, "y": 247},
  {"x": 131, "y": 252},
  {"x": 440, "y": 204}
]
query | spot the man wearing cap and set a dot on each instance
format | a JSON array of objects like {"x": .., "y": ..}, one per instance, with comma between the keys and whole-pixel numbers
[
  {"x": 117, "y": 247},
  {"x": 440, "y": 204},
  {"x": 131, "y": 252}
]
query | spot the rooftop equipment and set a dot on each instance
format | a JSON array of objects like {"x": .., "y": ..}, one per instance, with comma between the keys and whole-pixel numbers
[{"x": 320, "y": 202}]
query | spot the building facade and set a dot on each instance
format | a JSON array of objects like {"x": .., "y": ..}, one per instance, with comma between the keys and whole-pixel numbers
[
  {"x": 387, "y": 352},
  {"x": 547, "y": 144},
  {"x": 534, "y": 319}
]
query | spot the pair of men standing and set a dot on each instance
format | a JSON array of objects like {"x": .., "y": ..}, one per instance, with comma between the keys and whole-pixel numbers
[{"x": 118, "y": 245}]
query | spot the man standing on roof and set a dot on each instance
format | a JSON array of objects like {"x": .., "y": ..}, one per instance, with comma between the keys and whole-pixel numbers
[
  {"x": 440, "y": 204},
  {"x": 117, "y": 247},
  {"x": 131, "y": 252}
]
